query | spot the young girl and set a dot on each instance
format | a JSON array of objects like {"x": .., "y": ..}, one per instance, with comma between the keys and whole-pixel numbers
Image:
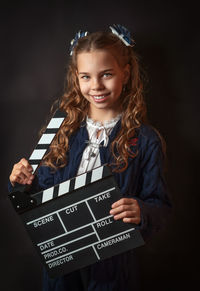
[{"x": 106, "y": 123}]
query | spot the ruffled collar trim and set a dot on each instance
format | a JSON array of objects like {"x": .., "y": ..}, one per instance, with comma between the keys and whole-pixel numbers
[{"x": 106, "y": 124}]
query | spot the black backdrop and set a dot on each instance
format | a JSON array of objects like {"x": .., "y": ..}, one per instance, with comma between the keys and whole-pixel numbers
[{"x": 35, "y": 39}]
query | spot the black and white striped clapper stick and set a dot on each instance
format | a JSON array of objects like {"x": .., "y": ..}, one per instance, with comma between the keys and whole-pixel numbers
[
  {"x": 46, "y": 139},
  {"x": 18, "y": 196},
  {"x": 72, "y": 184},
  {"x": 43, "y": 145}
]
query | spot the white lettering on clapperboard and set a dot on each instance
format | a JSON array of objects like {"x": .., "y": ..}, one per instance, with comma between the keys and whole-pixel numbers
[
  {"x": 47, "y": 245},
  {"x": 102, "y": 197},
  {"x": 60, "y": 261},
  {"x": 71, "y": 209},
  {"x": 43, "y": 221},
  {"x": 54, "y": 253},
  {"x": 104, "y": 222},
  {"x": 113, "y": 241}
]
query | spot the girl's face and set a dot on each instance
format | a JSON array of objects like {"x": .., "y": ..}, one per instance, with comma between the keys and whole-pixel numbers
[{"x": 101, "y": 80}]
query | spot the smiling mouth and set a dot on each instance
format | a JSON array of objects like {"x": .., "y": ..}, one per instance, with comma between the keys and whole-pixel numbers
[{"x": 100, "y": 98}]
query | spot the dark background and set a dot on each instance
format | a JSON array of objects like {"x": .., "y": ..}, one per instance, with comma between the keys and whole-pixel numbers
[{"x": 35, "y": 39}]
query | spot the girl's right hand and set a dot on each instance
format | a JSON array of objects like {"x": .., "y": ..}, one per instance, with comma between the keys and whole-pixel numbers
[{"x": 22, "y": 173}]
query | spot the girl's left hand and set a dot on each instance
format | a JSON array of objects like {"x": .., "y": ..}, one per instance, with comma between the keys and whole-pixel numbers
[{"x": 126, "y": 209}]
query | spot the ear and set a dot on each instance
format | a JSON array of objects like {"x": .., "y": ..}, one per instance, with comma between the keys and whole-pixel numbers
[{"x": 126, "y": 73}]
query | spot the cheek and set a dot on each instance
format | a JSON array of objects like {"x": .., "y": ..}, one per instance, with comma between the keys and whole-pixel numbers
[
  {"x": 83, "y": 87},
  {"x": 117, "y": 86}
]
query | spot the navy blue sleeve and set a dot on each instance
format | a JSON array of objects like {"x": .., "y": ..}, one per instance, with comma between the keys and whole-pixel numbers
[
  {"x": 10, "y": 187},
  {"x": 153, "y": 198},
  {"x": 45, "y": 177}
]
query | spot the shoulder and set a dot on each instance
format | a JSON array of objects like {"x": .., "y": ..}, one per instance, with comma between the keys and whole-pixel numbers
[
  {"x": 150, "y": 140},
  {"x": 145, "y": 136},
  {"x": 149, "y": 134}
]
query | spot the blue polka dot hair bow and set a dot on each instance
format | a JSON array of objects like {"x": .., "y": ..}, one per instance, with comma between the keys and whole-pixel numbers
[
  {"x": 122, "y": 33},
  {"x": 74, "y": 41}
]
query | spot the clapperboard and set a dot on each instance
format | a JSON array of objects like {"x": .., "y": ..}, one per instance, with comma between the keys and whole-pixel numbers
[{"x": 70, "y": 224}]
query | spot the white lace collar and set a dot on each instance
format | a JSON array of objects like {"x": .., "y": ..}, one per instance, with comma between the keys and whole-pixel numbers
[{"x": 106, "y": 124}]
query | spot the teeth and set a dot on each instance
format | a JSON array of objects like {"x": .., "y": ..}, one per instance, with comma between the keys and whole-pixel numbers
[{"x": 99, "y": 97}]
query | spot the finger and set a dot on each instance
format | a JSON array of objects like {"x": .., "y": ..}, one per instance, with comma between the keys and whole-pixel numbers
[
  {"x": 26, "y": 164},
  {"x": 123, "y": 208},
  {"x": 125, "y": 214},
  {"x": 20, "y": 180},
  {"x": 123, "y": 201},
  {"x": 128, "y": 217},
  {"x": 18, "y": 177},
  {"x": 135, "y": 220},
  {"x": 25, "y": 170}
]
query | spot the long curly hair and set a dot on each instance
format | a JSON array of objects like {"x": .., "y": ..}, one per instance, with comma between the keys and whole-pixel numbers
[{"x": 77, "y": 107}]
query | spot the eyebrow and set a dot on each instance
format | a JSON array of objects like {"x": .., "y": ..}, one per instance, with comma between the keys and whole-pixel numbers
[{"x": 104, "y": 71}]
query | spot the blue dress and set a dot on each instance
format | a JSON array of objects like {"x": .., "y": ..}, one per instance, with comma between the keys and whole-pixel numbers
[{"x": 142, "y": 180}]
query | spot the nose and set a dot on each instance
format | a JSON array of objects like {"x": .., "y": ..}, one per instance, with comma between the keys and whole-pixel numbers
[{"x": 97, "y": 84}]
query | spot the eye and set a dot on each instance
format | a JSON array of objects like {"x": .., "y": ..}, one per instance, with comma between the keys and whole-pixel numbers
[
  {"x": 85, "y": 77},
  {"x": 107, "y": 75}
]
